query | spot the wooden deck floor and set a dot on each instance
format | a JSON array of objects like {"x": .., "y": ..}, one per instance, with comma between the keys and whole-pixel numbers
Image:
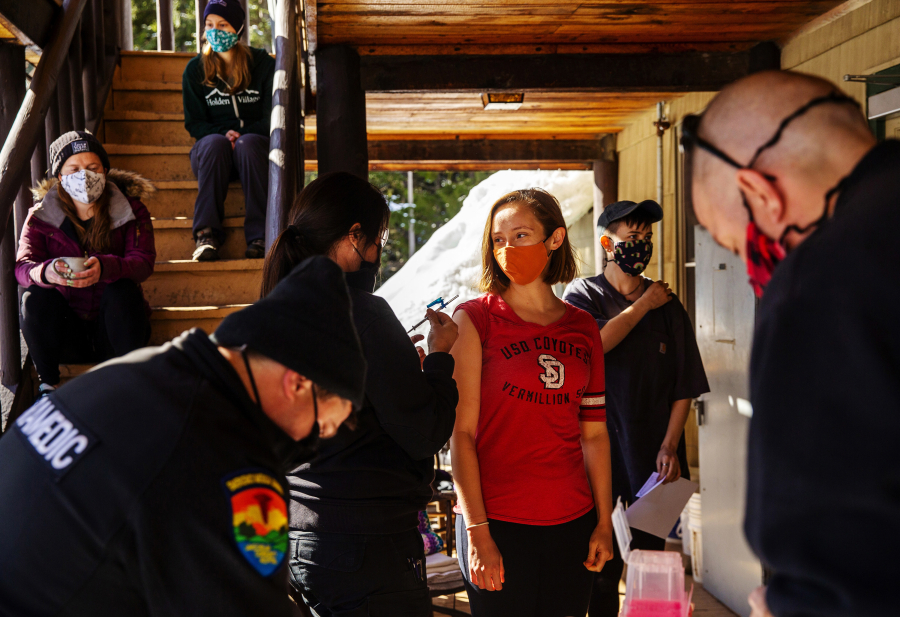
[{"x": 704, "y": 604}]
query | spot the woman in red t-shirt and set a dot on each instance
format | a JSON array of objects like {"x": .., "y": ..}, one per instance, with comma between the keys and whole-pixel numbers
[{"x": 530, "y": 449}]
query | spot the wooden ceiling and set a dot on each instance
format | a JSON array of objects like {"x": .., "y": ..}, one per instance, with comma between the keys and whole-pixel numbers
[
  {"x": 520, "y": 27},
  {"x": 544, "y": 26}
]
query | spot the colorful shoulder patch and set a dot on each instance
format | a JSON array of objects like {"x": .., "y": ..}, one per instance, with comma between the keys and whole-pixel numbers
[{"x": 260, "y": 518}]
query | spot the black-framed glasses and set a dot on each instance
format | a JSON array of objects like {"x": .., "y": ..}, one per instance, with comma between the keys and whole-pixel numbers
[{"x": 690, "y": 129}]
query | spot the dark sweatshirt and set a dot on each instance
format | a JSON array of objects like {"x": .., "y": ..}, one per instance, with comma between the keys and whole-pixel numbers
[
  {"x": 152, "y": 485},
  {"x": 823, "y": 473},
  {"x": 209, "y": 111},
  {"x": 376, "y": 478}
]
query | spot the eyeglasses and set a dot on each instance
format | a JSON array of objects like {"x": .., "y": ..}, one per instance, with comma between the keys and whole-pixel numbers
[{"x": 690, "y": 129}]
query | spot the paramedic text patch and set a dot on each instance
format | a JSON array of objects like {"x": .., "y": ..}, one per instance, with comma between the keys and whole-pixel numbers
[{"x": 55, "y": 438}]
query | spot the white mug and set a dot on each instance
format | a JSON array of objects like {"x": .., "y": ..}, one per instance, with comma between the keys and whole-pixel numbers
[{"x": 76, "y": 264}]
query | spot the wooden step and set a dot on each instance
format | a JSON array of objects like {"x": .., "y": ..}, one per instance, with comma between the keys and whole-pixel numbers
[
  {"x": 185, "y": 283},
  {"x": 158, "y": 66},
  {"x": 153, "y": 162},
  {"x": 168, "y": 322},
  {"x": 163, "y": 98},
  {"x": 161, "y": 131},
  {"x": 176, "y": 198},
  {"x": 68, "y": 372},
  {"x": 174, "y": 238}
]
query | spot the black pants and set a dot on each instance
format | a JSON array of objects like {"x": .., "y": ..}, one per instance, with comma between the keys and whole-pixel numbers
[
  {"x": 605, "y": 599},
  {"x": 55, "y": 334},
  {"x": 216, "y": 163},
  {"x": 544, "y": 567},
  {"x": 350, "y": 575}
]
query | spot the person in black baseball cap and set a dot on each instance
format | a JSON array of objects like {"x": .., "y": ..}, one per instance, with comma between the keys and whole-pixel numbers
[
  {"x": 227, "y": 92},
  {"x": 648, "y": 340},
  {"x": 155, "y": 483}
]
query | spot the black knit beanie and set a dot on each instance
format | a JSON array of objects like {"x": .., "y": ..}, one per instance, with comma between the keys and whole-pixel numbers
[
  {"x": 231, "y": 11},
  {"x": 305, "y": 323},
  {"x": 72, "y": 143}
]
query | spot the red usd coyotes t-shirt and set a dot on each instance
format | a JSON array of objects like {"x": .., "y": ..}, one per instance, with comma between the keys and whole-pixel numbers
[{"x": 537, "y": 383}]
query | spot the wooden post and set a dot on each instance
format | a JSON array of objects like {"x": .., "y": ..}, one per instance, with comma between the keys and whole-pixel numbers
[
  {"x": 64, "y": 101},
  {"x": 606, "y": 191},
  {"x": 89, "y": 72},
  {"x": 245, "y": 33},
  {"x": 18, "y": 147},
  {"x": 201, "y": 7},
  {"x": 110, "y": 33},
  {"x": 340, "y": 112},
  {"x": 285, "y": 157},
  {"x": 51, "y": 124},
  {"x": 77, "y": 81},
  {"x": 100, "y": 37},
  {"x": 165, "y": 29},
  {"x": 39, "y": 156},
  {"x": 12, "y": 91},
  {"x": 126, "y": 27}
]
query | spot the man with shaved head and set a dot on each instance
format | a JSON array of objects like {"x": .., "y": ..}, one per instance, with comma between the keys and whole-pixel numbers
[{"x": 787, "y": 175}]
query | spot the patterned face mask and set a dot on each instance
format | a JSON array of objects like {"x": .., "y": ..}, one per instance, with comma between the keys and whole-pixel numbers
[
  {"x": 633, "y": 256},
  {"x": 221, "y": 41},
  {"x": 84, "y": 186}
]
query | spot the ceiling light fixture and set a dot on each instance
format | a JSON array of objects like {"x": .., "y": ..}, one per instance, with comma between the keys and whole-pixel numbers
[{"x": 502, "y": 100}]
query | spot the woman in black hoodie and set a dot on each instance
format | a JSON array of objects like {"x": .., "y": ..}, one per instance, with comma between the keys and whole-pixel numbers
[
  {"x": 354, "y": 508},
  {"x": 227, "y": 92}
]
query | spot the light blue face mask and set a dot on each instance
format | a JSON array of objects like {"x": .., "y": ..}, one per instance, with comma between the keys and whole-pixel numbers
[{"x": 221, "y": 41}]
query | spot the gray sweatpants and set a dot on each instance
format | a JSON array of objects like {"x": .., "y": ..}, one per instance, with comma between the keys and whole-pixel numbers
[{"x": 216, "y": 163}]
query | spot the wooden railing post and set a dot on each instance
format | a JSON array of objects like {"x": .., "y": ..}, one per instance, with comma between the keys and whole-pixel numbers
[
  {"x": 100, "y": 37},
  {"x": 126, "y": 28},
  {"x": 39, "y": 156},
  {"x": 12, "y": 91},
  {"x": 110, "y": 35},
  {"x": 19, "y": 145},
  {"x": 165, "y": 30},
  {"x": 77, "y": 81},
  {"x": 89, "y": 72},
  {"x": 201, "y": 28},
  {"x": 51, "y": 123},
  {"x": 286, "y": 123}
]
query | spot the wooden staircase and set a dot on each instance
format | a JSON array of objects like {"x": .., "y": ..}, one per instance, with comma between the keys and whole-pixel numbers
[{"x": 143, "y": 131}]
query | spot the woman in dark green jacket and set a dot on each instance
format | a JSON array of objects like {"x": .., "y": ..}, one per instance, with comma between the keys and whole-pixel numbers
[{"x": 227, "y": 104}]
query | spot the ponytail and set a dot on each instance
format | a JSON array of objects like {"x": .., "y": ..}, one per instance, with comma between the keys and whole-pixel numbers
[{"x": 289, "y": 250}]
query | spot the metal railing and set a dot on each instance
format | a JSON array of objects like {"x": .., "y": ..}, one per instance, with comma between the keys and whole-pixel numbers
[{"x": 68, "y": 90}]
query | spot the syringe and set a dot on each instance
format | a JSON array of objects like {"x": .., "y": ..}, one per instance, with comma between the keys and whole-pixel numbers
[{"x": 442, "y": 306}]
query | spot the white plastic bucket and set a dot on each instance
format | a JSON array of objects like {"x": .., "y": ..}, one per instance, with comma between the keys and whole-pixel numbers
[{"x": 695, "y": 526}]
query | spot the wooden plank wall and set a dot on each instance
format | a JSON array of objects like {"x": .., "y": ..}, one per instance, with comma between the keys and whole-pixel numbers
[{"x": 862, "y": 41}]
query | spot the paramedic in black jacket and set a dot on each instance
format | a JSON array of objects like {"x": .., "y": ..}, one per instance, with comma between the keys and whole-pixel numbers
[
  {"x": 356, "y": 549},
  {"x": 788, "y": 176},
  {"x": 154, "y": 485},
  {"x": 227, "y": 92}
]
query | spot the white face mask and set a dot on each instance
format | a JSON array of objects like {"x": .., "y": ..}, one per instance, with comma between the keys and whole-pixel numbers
[{"x": 84, "y": 186}]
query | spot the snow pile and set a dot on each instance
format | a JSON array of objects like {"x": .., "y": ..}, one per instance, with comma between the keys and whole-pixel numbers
[{"x": 450, "y": 262}]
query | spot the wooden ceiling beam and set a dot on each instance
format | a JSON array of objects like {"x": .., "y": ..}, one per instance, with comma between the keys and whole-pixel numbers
[
  {"x": 506, "y": 151},
  {"x": 678, "y": 72}
]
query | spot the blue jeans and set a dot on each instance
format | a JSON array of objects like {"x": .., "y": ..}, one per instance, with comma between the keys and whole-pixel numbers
[{"x": 352, "y": 575}]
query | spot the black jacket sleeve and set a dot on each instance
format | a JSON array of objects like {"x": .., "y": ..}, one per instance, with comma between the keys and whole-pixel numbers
[
  {"x": 416, "y": 407},
  {"x": 266, "y": 68},
  {"x": 578, "y": 294},
  {"x": 196, "y": 116}
]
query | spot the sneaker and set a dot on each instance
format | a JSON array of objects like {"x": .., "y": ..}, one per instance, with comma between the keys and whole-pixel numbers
[
  {"x": 256, "y": 250},
  {"x": 45, "y": 390},
  {"x": 207, "y": 246}
]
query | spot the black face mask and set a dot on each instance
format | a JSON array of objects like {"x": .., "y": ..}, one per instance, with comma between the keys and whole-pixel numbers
[
  {"x": 365, "y": 277},
  {"x": 303, "y": 450}
]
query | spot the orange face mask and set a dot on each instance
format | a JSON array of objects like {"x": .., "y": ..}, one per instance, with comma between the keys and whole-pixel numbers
[{"x": 523, "y": 264}]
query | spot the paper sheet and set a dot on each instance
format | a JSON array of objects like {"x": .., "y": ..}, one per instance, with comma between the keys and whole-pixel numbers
[{"x": 659, "y": 505}]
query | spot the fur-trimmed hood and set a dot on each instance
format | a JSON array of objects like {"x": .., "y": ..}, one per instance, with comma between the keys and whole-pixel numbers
[
  {"x": 131, "y": 184},
  {"x": 122, "y": 184}
]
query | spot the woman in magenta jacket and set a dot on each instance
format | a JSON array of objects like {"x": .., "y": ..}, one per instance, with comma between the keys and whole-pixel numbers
[{"x": 89, "y": 307}]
